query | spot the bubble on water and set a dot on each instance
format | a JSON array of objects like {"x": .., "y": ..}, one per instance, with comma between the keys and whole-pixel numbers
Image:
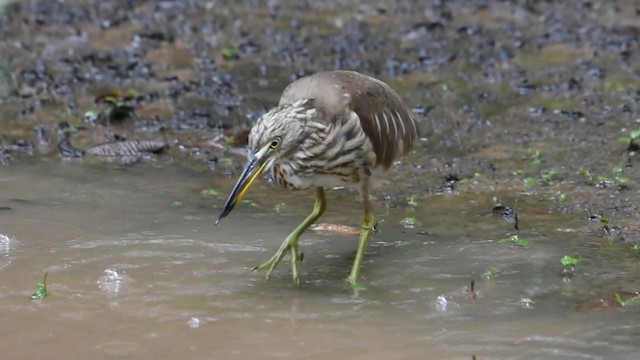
[
  {"x": 194, "y": 322},
  {"x": 527, "y": 303},
  {"x": 111, "y": 281},
  {"x": 441, "y": 303}
]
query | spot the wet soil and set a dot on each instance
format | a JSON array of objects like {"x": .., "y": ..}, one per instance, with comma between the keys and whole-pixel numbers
[
  {"x": 522, "y": 105},
  {"x": 529, "y": 95}
]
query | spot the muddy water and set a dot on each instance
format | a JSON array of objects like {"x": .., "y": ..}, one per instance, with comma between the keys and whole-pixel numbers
[{"x": 135, "y": 274}]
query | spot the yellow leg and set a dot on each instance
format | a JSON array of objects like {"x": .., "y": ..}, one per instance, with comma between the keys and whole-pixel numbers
[
  {"x": 290, "y": 244},
  {"x": 365, "y": 235}
]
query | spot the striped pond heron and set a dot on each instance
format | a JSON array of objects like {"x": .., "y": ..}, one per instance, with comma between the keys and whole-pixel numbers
[{"x": 329, "y": 129}]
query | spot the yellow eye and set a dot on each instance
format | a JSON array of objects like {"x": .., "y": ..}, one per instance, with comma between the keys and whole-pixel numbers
[{"x": 274, "y": 143}]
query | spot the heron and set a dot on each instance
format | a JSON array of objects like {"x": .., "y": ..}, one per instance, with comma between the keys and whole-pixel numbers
[{"x": 329, "y": 129}]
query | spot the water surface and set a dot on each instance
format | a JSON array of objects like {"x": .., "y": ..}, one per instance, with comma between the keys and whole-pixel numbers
[{"x": 135, "y": 274}]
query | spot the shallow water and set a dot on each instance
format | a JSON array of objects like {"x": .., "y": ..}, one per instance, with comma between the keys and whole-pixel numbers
[{"x": 133, "y": 274}]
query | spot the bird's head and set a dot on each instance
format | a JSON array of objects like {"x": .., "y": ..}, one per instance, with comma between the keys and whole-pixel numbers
[{"x": 274, "y": 136}]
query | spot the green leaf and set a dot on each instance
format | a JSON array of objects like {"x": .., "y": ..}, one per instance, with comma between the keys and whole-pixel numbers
[
  {"x": 633, "y": 302},
  {"x": 618, "y": 299},
  {"x": 490, "y": 272},
  {"x": 91, "y": 115},
  {"x": 535, "y": 157},
  {"x": 636, "y": 247},
  {"x": 568, "y": 261},
  {"x": 409, "y": 221},
  {"x": 548, "y": 176},
  {"x": 622, "y": 180},
  {"x": 411, "y": 201},
  {"x": 41, "y": 289},
  {"x": 635, "y": 134}
]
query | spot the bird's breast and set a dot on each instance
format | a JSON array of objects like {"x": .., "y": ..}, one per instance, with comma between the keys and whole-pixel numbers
[{"x": 300, "y": 179}]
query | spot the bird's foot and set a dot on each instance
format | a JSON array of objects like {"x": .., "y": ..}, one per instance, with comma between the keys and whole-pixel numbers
[
  {"x": 354, "y": 284},
  {"x": 290, "y": 245}
]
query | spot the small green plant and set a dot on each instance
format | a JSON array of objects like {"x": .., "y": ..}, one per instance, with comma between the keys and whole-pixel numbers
[
  {"x": 412, "y": 201},
  {"x": 632, "y": 141},
  {"x": 41, "y": 289},
  {"x": 117, "y": 106},
  {"x": 562, "y": 197},
  {"x": 570, "y": 262},
  {"x": 490, "y": 273},
  {"x": 602, "y": 181},
  {"x": 176, "y": 203},
  {"x": 514, "y": 239},
  {"x": 548, "y": 177},
  {"x": 631, "y": 302},
  {"x": 530, "y": 180},
  {"x": 535, "y": 157},
  {"x": 636, "y": 248},
  {"x": 231, "y": 52},
  {"x": 409, "y": 221}
]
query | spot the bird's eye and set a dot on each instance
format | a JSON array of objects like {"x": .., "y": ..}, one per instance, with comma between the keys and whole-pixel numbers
[{"x": 274, "y": 143}]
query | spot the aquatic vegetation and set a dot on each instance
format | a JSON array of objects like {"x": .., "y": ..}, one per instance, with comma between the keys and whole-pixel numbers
[
  {"x": 409, "y": 222},
  {"x": 231, "y": 52},
  {"x": 632, "y": 141},
  {"x": 548, "y": 177},
  {"x": 570, "y": 262},
  {"x": 41, "y": 289},
  {"x": 412, "y": 201},
  {"x": 630, "y": 302},
  {"x": 602, "y": 181},
  {"x": 535, "y": 157},
  {"x": 117, "y": 105},
  {"x": 490, "y": 273}
]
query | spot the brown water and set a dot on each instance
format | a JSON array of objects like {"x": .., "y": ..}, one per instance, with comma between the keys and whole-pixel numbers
[{"x": 135, "y": 275}]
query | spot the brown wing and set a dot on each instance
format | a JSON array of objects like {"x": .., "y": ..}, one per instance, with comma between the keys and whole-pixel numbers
[{"x": 385, "y": 119}]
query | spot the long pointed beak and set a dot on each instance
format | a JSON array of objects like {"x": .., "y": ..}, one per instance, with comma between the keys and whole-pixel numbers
[{"x": 255, "y": 166}]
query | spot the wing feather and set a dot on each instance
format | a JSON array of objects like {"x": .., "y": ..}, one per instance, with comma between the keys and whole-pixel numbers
[{"x": 337, "y": 92}]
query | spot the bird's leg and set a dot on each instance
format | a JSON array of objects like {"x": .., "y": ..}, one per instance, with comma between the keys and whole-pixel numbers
[
  {"x": 365, "y": 234},
  {"x": 290, "y": 244}
]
